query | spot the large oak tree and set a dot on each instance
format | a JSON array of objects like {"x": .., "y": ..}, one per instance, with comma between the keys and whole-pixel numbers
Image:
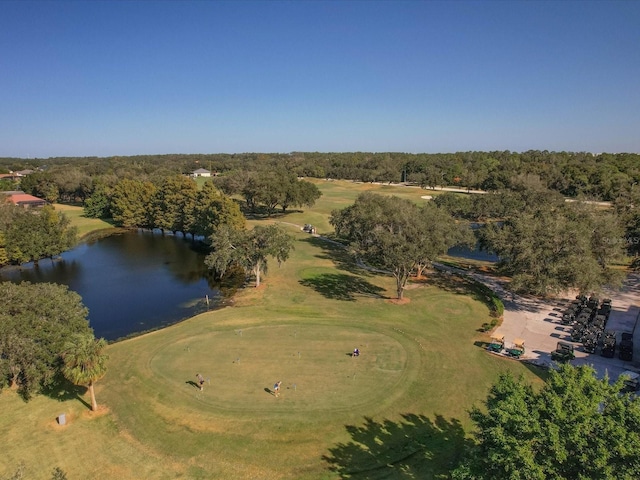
[
  {"x": 35, "y": 322},
  {"x": 576, "y": 427},
  {"x": 33, "y": 234},
  {"x": 396, "y": 235},
  {"x": 250, "y": 249},
  {"x": 548, "y": 250}
]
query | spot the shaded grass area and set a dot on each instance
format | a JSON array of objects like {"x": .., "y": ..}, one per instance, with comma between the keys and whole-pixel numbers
[
  {"x": 341, "y": 286},
  {"x": 467, "y": 286},
  {"x": 378, "y": 444},
  {"x": 397, "y": 411}
]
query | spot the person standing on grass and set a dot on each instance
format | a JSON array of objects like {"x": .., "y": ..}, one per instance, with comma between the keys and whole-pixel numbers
[
  {"x": 276, "y": 388},
  {"x": 200, "y": 381}
]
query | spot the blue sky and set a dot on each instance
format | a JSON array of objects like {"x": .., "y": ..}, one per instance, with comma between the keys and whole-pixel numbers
[{"x": 82, "y": 78}]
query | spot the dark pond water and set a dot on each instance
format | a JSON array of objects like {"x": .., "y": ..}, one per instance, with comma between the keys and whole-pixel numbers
[
  {"x": 130, "y": 282},
  {"x": 474, "y": 253}
]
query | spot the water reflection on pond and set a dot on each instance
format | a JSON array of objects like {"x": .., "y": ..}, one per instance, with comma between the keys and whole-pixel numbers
[{"x": 130, "y": 282}]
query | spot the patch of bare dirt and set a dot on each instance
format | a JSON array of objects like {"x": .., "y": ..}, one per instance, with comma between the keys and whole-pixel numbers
[
  {"x": 102, "y": 410},
  {"x": 399, "y": 301}
]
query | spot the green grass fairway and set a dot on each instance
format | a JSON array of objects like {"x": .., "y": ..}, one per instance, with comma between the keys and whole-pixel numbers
[
  {"x": 84, "y": 224},
  {"x": 313, "y": 361},
  {"x": 338, "y": 194},
  {"x": 400, "y": 410}
]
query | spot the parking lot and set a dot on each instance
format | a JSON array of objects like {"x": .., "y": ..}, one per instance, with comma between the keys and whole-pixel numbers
[{"x": 539, "y": 324}]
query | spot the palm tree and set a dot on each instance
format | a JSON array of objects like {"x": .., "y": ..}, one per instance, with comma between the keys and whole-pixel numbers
[{"x": 85, "y": 362}]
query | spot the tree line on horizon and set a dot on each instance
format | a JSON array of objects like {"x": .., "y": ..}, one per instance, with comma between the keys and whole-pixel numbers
[{"x": 603, "y": 176}]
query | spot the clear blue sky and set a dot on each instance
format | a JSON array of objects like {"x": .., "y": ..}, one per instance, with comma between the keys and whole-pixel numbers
[{"x": 103, "y": 78}]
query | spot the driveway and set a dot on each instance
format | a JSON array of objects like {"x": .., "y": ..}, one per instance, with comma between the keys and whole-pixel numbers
[{"x": 538, "y": 323}]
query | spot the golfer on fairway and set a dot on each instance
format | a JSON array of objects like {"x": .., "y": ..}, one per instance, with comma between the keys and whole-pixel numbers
[{"x": 276, "y": 388}]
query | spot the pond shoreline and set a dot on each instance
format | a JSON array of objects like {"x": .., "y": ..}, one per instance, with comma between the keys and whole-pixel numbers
[{"x": 133, "y": 281}]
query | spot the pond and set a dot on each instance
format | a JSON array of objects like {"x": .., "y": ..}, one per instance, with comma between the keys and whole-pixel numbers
[
  {"x": 475, "y": 253},
  {"x": 131, "y": 282}
]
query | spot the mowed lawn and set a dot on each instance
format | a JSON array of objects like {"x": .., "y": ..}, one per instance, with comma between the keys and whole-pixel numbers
[
  {"x": 84, "y": 224},
  {"x": 338, "y": 194},
  {"x": 397, "y": 411}
]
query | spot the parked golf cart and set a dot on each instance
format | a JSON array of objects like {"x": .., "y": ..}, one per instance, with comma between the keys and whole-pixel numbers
[
  {"x": 563, "y": 352},
  {"x": 608, "y": 344},
  {"x": 626, "y": 347},
  {"x": 496, "y": 344},
  {"x": 517, "y": 350},
  {"x": 590, "y": 342}
]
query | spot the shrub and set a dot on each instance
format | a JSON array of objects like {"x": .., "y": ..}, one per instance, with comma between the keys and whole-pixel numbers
[{"x": 497, "y": 307}]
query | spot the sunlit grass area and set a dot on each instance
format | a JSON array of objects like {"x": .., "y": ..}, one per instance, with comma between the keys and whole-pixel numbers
[
  {"x": 399, "y": 410},
  {"x": 84, "y": 224},
  {"x": 337, "y": 194}
]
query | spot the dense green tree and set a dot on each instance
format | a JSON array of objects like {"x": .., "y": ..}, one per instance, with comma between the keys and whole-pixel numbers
[
  {"x": 458, "y": 205},
  {"x": 273, "y": 188},
  {"x": 576, "y": 427},
  {"x": 4, "y": 257},
  {"x": 35, "y": 234},
  {"x": 41, "y": 185},
  {"x": 98, "y": 205},
  {"x": 57, "y": 229},
  {"x": 174, "y": 204},
  {"x": 6, "y": 185},
  {"x": 85, "y": 362},
  {"x": 303, "y": 194},
  {"x": 213, "y": 210},
  {"x": 249, "y": 249},
  {"x": 395, "y": 235},
  {"x": 35, "y": 322},
  {"x": 72, "y": 183},
  {"x": 548, "y": 251},
  {"x": 232, "y": 182},
  {"x": 223, "y": 250},
  {"x": 269, "y": 190},
  {"x": 627, "y": 206},
  {"x": 131, "y": 202},
  {"x": 431, "y": 177}
]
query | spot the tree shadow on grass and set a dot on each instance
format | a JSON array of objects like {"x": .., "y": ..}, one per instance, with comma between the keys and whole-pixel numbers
[
  {"x": 462, "y": 286},
  {"x": 338, "y": 254},
  {"x": 413, "y": 448},
  {"x": 63, "y": 390},
  {"x": 340, "y": 286},
  {"x": 542, "y": 372}
]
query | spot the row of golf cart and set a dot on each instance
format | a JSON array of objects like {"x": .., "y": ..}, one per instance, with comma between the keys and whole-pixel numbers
[
  {"x": 589, "y": 318},
  {"x": 496, "y": 345}
]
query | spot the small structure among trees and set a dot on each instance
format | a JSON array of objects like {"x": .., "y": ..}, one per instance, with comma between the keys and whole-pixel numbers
[{"x": 201, "y": 172}]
